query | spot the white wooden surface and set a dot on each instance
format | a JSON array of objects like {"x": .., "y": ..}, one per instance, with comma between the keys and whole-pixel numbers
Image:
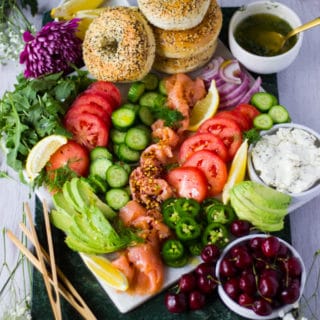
[{"x": 299, "y": 91}]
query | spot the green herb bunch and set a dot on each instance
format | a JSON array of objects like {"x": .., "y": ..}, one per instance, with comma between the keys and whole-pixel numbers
[{"x": 34, "y": 110}]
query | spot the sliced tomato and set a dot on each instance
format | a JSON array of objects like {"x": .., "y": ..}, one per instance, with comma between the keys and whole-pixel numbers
[
  {"x": 202, "y": 141},
  {"x": 92, "y": 108},
  {"x": 94, "y": 97},
  {"x": 241, "y": 119},
  {"x": 213, "y": 167},
  {"x": 188, "y": 182},
  {"x": 108, "y": 88},
  {"x": 227, "y": 130},
  {"x": 73, "y": 155},
  {"x": 249, "y": 110},
  {"x": 88, "y": 129}
]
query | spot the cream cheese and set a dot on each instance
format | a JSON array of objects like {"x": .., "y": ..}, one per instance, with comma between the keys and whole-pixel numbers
[{"x": 288, "y": 160}]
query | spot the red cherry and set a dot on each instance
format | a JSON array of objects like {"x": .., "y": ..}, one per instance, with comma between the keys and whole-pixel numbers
[
  {"x": 270, "y": 246},
  {"x": 197, "y": 300},
  {"x": 176, "y": 302}
]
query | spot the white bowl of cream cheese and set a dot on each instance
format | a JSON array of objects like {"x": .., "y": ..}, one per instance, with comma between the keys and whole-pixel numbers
[{"x": 287, "y": 158}]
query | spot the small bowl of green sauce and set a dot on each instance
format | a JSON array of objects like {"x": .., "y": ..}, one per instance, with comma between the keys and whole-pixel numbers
[{"x": 248, "y": 31}]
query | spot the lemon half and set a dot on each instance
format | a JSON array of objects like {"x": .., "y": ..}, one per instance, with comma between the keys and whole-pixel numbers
[
  {"x": 41, "y": 152},
  {"x": 204, "y": 108},
  {"x": 106, "y": 271},
  {"x": 68, "y": 9},
  {"x": 237, "y": 170}
]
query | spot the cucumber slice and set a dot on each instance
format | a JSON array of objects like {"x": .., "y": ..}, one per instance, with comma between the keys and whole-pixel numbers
[
  {"x": 127, "y": 154},
  {"x": 135, "y": 91},
  {"x": 100, "y": 152},
  {"x": 137, "y": 139},
  {"x": 99, "y": 167},
  {"x": 150, "y": 81},
  {"x": 145, "y": 115},
  {"x": 263, "y": 101},
  {"x": 134, "y": 107},
  {"x": 117, "y": 176},
  {"x": 117, "y": 136},
  {"x": 123, "y": 118},
  {"x": 279, "y": 114},
  {"x": 263, "y": 121},
  {"x": 117, "y": 198},
  {"x": 149, "y": 99},
  {"x": 162, "y": 87}
]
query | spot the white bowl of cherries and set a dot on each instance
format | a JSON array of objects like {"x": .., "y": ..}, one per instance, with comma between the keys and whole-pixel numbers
[{"x": 260, "y": 276}]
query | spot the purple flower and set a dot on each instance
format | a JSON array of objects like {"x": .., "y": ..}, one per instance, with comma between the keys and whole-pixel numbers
[{"x": 52, "y": 49}]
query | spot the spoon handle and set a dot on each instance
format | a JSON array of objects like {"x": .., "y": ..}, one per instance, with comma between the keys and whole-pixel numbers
[{"x": 304, "y": 27}]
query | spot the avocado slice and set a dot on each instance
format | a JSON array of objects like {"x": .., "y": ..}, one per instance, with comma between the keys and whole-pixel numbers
[
  {"x": 61, "y": 220},
  {"x": 95, "y": 238},
  {"x": 85, "y": 192},
  {"x": 69, "y": 197},
  {"x": 62, "y": 204},
  {"x": 78, "y": 233},
  {"x": 264, "y": 196},
  {"x": 113, "y": 241},
  {"x": 262, "y": 220},
  {"x": 253, "y": 205},
  {"x": 76, "y": 245}
]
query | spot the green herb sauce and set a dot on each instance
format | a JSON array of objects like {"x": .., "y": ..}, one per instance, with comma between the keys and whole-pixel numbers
[{"x": 249, "y": 34}]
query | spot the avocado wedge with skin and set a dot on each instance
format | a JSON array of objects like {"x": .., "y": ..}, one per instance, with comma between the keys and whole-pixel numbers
[{"x": 263, "y": 207}]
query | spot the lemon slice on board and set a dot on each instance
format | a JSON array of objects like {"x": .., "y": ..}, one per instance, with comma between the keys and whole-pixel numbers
[
  {"x": 204, "y": 108},
  {"x": 41, "y": 152},
  {"x": 68, "y": 9},
  {"x": 237, "y": 170},
  {"x": 106, "y": 271}
]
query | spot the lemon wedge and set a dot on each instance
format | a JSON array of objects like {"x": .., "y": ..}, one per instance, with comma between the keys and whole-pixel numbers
[
  {"x": 41, "y": 152},
  {"x": 237, "y": 170},
  {"x": 204, "y": 108},
  {"x": 68, "y": 9},
  {"x": 86, "y": 17},
  {"x": 106, "y": 271}
]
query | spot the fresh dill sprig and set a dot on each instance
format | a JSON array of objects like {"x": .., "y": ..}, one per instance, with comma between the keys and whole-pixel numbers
[{"x": 171, "y": 117}]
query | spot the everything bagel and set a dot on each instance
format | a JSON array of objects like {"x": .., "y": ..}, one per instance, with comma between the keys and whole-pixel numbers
[
  {"x": 174, "y": 14},
  {"x": 119, "y": 45},
  {"x": 186, "y": 43}
]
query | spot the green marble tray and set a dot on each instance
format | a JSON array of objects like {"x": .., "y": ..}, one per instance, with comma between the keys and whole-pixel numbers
[{"x": 88, "y": 287}]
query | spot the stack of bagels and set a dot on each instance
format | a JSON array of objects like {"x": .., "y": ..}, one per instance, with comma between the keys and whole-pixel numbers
[
  {"x": 185, "y": 32},
  {"x": 171, "y": 36}
]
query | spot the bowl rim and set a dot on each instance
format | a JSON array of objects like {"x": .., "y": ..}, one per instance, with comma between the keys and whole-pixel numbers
[
  {"x": 241, "y": 10},
  {"x": 315, "y": 189},
  {"x": 245, "y": 312}
]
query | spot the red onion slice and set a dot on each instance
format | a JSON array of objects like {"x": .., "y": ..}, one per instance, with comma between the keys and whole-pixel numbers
[
  {"x": 255, "y": 88},
  {"x": 230, "y": 71},
  {"x": 238, "y": 90}
]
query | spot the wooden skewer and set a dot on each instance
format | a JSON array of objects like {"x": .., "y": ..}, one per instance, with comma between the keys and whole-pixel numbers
[
  {"x": 52, "y": 259},
  {"x": 68, "y": 292},
  {"x": 56, "y": 312}
]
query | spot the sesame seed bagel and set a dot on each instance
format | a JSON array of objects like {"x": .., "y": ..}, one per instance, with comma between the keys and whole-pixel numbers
[
  {"x": 184, "y": 43},
  {"x": 119, "y": 45},
  {"x": 183, "y": 65},
  {"x": 174, "y": 14}
]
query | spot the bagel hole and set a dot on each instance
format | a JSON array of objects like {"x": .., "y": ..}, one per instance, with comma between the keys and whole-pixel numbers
[{"x": 109, "y": 45}]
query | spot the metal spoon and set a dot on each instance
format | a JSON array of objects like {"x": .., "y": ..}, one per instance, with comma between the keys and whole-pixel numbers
[{"x": 275, "y": 41}]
